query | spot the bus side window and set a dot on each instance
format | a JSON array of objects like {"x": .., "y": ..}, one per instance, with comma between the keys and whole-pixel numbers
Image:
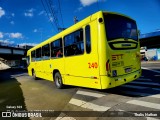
[
  {"x": 88, "y": 39},
  {"x": 38, "y": 54},
  {"x": 46, "y": 52},
  {"x": 56, "y": 49},
  {"x": 73, "y": 43},
  {"x": 33, "y": 55}
]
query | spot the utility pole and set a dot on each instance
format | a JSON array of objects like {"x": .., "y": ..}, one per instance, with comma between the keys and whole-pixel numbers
[{"x": 75, "y": 20}]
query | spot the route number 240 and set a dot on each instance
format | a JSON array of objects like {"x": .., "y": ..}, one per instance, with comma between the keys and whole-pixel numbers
[{"x": 92, "y": 65}]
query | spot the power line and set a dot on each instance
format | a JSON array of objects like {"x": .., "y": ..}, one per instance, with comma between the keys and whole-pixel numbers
[
  {"x": 53, "y": 13},
  {"x": 47, "y": 13},
  {"x": 60, "y": 12},
  {"x": 48, "y": 6}
]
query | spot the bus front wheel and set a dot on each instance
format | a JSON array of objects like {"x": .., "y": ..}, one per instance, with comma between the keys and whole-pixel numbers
[
  {"x": 58, "y": 80},
  {"x": 34, "y": 75}
]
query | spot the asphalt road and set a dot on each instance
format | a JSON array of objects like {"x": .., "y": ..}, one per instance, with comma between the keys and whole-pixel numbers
[{"x": 138, "y": 98}]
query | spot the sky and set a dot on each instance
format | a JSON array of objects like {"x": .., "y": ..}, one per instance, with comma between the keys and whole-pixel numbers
[{"x": 29, "y": 22}]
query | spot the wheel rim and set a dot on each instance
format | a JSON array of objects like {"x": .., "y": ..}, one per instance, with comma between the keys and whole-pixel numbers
[{"x": 58, "y": 80}]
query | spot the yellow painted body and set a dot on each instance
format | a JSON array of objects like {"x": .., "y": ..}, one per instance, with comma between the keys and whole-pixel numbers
[{"x": 89, "y": 70}]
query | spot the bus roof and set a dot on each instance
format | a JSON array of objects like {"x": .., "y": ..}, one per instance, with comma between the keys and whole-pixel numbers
[{"x": 74, "y": 27}]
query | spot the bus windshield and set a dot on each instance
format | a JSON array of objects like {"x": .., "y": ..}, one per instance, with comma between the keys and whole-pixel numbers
[{"x": 120, "y": 27}]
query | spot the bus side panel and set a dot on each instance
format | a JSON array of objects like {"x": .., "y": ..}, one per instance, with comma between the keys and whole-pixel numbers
[
  {"x": 38, "y": 67},
  {"x": 30, "y": 69},
  {"x": 83, "y": 70},
  {"x": 46, "y": 72},
  {"x": 78, "y": 72},
  {"x": 57, "y": 64},
  {"x": 104, "y": 56},
  {"x": 29, "y": 64},
  {"x": 45, "y": 68}
]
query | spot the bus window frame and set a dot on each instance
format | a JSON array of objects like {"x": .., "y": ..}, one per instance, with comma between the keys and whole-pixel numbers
[
  {"x": 80, "y": 43},
  {"x": 33, "y": 59},
  {"x": 59, "y": 48},
  {"x": 89, "y": 38},
  {"x": 42, "y": 52},
  {"x": 39, "y": 58}
]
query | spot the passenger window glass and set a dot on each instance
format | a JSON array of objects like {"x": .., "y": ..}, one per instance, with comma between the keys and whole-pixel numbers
[
  {"x": 56, "y": 49},
  {"x": 38, "y": 54},
  {"x": 33, "y": 56},
  {"x": 88, "y": 39},
  {"x": 46, "y": 52},
  {"x": 74, "y": 44}
]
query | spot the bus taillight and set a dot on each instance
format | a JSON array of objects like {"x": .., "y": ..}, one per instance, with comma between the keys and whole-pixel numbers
[{"x": 107, "y": 66}]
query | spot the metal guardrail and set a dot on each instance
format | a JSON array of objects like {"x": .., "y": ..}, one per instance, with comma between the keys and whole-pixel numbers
[{"x": 152, "y": 34}]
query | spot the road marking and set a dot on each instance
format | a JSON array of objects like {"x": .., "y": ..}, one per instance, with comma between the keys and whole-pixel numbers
[
  {"x": 155, "y": 96},
  {"x": 132, "y": 86},
  {"x": 95, "y": 107},
  {"x": 146, "y": 83},
  {"x": 88, "y": 105},
  {"x": 90, "y": 94},
  {"x": 151, "y": 70},
  {"x": 77, "y": 102},
  {"x": 144, "y": 104},
  {"x": 146, "y": 79},
  {"x": 65, "y": 118}
]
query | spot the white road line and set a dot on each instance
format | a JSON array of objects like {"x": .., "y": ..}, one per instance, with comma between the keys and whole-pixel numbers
[
  {"x": 88, "y": 105},
  {"x": 95, "y": 107},
  {"x": 132, "y": 86},
  {"x": 65, "y": 118},
  {"x": 155, "y": 96},
  {"x": 90, "y": 94},
  {"x": 146, "y": 83},
  {"x": 146, "y": 79},
  {"x": 151, "y": 70},
  {"x": 144, "y": 104},
  {"x": 77, "y": 102}
]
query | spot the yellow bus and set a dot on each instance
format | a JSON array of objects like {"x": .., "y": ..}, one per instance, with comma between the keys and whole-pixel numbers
[{"x": 102, "y": 51}]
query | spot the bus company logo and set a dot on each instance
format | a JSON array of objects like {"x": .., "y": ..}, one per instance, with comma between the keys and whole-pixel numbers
[
  {"x": 6, "y": 114},
  {"x": 117, "y": 57}
]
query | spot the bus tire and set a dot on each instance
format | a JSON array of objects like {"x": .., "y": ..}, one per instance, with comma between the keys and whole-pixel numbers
[
  {"x": 58, "y": 80},
  {"x": 34, "y": 75}
]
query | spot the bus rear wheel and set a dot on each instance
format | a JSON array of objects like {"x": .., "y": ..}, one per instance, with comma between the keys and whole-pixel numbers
[{"x": 58, "y": 80}]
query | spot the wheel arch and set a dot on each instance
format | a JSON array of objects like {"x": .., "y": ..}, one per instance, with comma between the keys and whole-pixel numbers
[
  {"x": 54, "y": 72},
  {"x": 32, "y": 71}
]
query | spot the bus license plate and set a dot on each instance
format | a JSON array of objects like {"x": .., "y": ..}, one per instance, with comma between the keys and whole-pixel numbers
[{"x": 128, "y": 70}]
